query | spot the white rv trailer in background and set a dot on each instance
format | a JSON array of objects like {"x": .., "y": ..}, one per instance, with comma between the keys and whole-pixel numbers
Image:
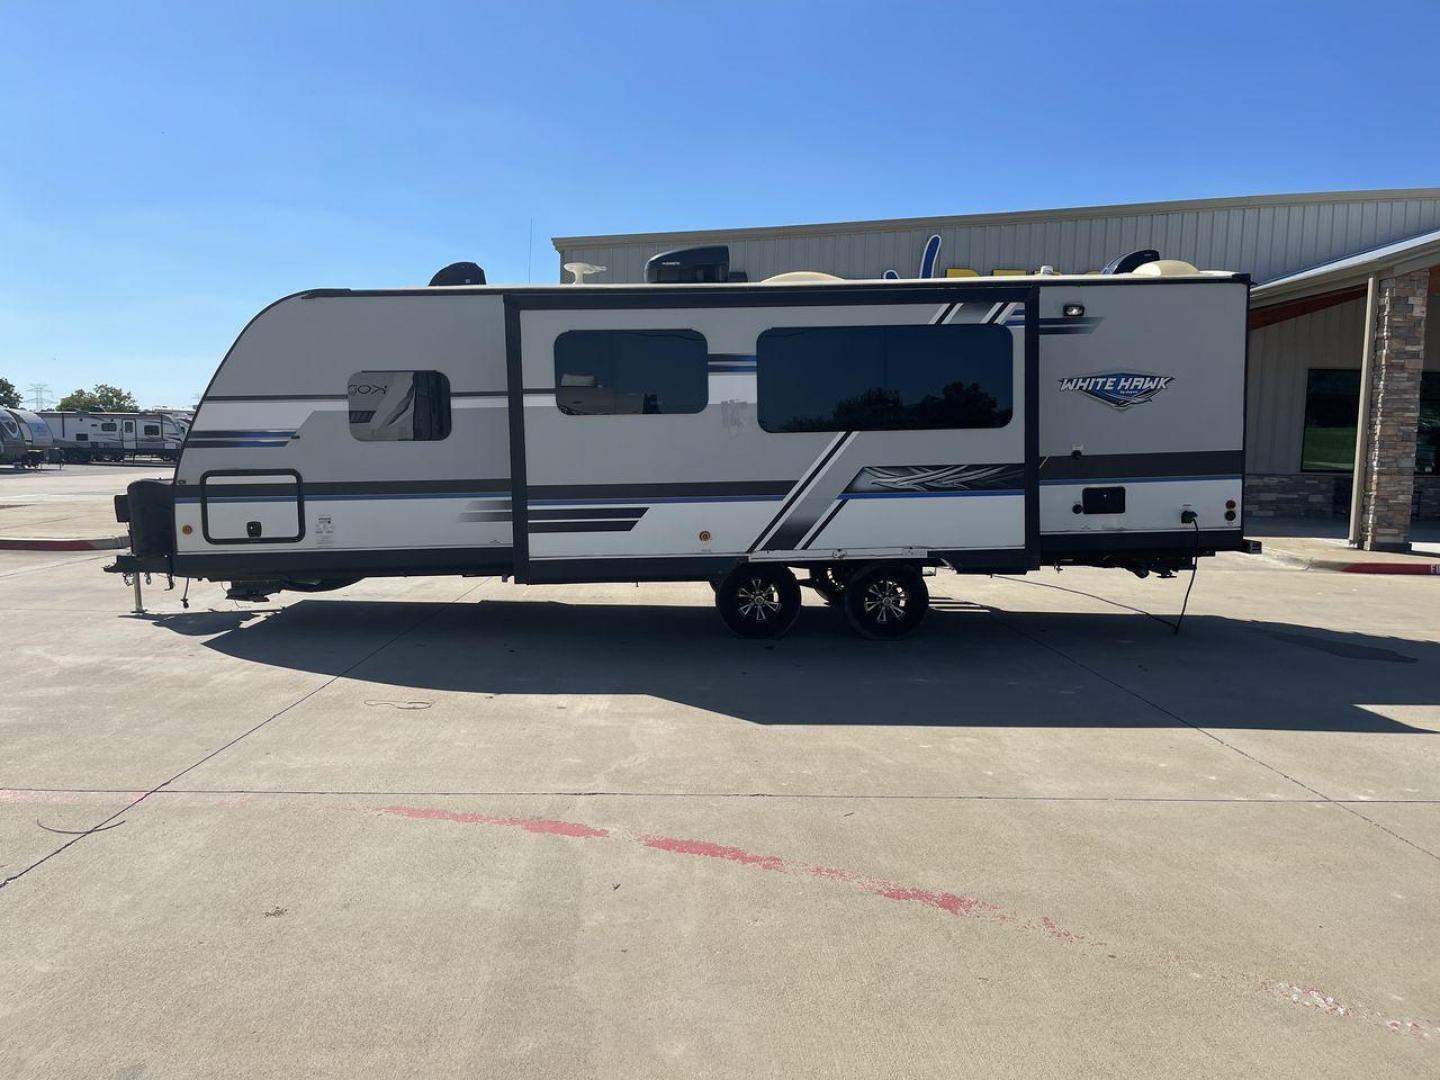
[
  {"x": 114, "y": 436},
  {"x": 858, "y": 432},
  {"x": 13, "y": 447},
  {"x": 39, "y": 444}
]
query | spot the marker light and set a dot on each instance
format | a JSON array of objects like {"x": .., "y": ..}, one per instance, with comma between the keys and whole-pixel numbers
[
  {"x": 1229, "y": 504},
  {"x": 1074, "y": 311}
]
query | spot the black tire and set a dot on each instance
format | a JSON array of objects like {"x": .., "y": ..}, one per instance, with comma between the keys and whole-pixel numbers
[
  {"x": 758, "y": 600},
  {"x": 885, "y": 601}
]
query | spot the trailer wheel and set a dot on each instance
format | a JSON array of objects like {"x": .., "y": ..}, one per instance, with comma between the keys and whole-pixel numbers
[
  {"x": 886, "y": 600},
  {"x": 758, "y": 600}
]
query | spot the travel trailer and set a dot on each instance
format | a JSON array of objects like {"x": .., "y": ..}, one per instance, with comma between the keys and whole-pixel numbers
[
  {"x": 39, "y": 445},
  {"x": 847, "y": 436},
  {"x": 13, "y": 450},
  {"x": 114, "y": 436}
]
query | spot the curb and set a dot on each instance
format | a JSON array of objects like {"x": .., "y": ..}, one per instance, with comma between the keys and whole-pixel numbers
[
  {"x": 45, "y": 543},
  {"x": 1388, "y": 568},
  {"x": 1428, "y": 568}
]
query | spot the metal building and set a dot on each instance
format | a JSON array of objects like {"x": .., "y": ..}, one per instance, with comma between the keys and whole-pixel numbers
[{"x": 1342, "y": 281}]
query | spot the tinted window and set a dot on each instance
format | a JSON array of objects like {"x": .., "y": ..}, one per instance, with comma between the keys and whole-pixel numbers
[
  {"x": 1332, "y": 400},
  {"x": 626, "y": 372},
  {"x": 108, "y": 426},
  {"x": 399, "y": 406},
  {"x": 1427, "y": 441},
  {"x": 884, "y": 378},
  {"x": 152, "y": 429}
]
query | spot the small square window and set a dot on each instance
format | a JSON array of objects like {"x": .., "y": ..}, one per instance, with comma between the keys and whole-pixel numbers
[{"x": 399, "y": 406}]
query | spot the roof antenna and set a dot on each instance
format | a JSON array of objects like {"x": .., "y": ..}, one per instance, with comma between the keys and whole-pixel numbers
[{"x": 580, "y": 269}]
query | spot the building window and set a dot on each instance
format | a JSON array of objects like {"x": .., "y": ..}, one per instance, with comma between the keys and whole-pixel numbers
[
  {"x": 1332, "y": 401},
  {"x": 399, "y": 406},
  {"x": 1427, "y": 442},
  {"x": 631, "y": 372},
  {"x": 884, "y": 378}
]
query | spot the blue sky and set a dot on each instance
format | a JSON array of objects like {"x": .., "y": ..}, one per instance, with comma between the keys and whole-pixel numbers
[{"x": 168, "y": 169}]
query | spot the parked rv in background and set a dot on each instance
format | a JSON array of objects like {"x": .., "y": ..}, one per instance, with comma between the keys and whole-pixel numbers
[
  {"x": 114, "y": 436},
  {"x": 12, "y": 442},
  {"x": 39, "y": 443}
]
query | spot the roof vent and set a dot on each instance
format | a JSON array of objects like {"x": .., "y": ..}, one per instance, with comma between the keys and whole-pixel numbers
[
  {"x": 686, "y": 265},
  {"x": 460, "y": 273},
  {"x": 801, "y": 277},
  {"x": 1165, "y": 268},
  {"x": 1125, "y": 264}
]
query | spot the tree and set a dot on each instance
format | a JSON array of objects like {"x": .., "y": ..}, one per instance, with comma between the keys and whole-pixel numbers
[
  {"x": 103, "y": 398},
  {"x": 9, "y": 396}
]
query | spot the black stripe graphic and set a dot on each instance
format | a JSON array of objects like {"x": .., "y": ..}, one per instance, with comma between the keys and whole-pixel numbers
[
  {"x": 254, "y": 433},
  {"x": 825, "y": 521},
  {"x": 580, "y": 526},
  {"x": 273, "y": 397},
  {"x": 644, "y": 492},
  {"x": 275, "y": 443},
  {"x": 495, "y": 489},
  {"x": 800, "y": 488},
  {"x": 629, "y": 513},
  {"x": 1195, "y": 463}
]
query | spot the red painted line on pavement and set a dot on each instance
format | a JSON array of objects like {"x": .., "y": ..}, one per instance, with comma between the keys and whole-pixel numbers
[
  {"x": 712, "y": 851},
  {"x": 535, "y": 825},
  {"x": 952, "y": 903},
  {"x": 1391, "y": 568},
  {"x": 42, "y": 543}
]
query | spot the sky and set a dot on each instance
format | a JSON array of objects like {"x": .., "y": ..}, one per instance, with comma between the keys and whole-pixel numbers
[{"x": 166, "y": 170}]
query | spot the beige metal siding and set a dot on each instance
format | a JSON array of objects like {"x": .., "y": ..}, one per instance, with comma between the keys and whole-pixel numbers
[
  {"x": 1266, "y": 237},
  {"x": 1280, "y": 355}
]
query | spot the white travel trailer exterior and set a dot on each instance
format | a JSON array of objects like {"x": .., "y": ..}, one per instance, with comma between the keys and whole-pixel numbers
[
  {"x": 860, "y": 432},
  {"x": 112, "y": 436},
  {"x": 39, "y": 444}
]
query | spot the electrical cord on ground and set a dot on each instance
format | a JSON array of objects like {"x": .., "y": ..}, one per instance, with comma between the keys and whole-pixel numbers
[
  {"x": 1194, "y": 568},
  {"x": 1184, "y": 605}
]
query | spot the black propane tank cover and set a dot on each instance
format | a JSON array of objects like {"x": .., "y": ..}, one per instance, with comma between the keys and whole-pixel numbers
[{"x": 459, "y": 273}]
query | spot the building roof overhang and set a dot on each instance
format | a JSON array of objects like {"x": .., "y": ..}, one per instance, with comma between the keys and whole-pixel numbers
[{"x": 1415, "y": 253}]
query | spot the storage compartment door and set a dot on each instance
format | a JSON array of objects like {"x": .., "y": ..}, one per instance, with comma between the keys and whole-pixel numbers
[{"x": 238, "y": 507}]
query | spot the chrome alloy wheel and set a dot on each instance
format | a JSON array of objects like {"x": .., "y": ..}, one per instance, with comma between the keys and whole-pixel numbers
[
  {"x": 758, "y": 600},
  {"x": 885, "y": 601}
]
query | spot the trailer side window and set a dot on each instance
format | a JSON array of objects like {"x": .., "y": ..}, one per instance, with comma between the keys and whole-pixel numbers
[
  {"x": 884, "y": 378},
  {"x": 399, "y": 406},
  {"x": 109, "y": 425},
  {"x": 627, "y": 372},
  {"x": 152, "y": 429}
]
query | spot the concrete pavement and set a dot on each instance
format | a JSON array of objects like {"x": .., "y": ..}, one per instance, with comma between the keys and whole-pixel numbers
[
  {"x": 457, "y": 827},
  {"x": 71, "y": 502}
]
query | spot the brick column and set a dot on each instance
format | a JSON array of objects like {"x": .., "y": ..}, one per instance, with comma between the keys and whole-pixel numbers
[{"x": 1394, "y": 411}]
